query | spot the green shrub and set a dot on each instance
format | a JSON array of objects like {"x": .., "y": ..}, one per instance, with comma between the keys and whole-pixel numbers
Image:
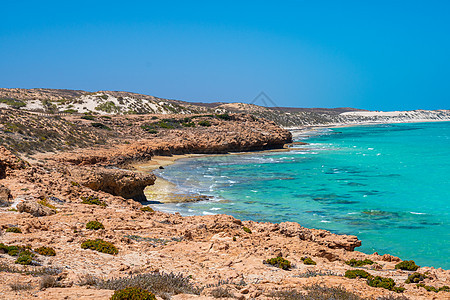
[
  {"x": 433, "y": 289},
  {"x": 382, "y": 282},
  {"x": 100, "y": 125},
  {"x": 94, "y": 225},
  {"x": 315, "y": 292},
  {"x": 161, "y": 283},
  {"x": 100, "y": 246},
  {"x": 149, "y": 128},
  {"x": 224, "y": 116},
  {"x": 14, "y": 230},
  {"x": 359, "y": 263},
  {"x": 189, "y": 124},
  {"x": 88, "y": 117},
  {"x": 246, "y": 229},
  {"x": 204, "y": 123},
  {"x": 415, "y": 278},
  {"x": 408, "y": 265},
  {"x": 46, "y": 251},
  {"x": 308, "y": 261},
  {"x": 91, "y": 200},
  {"x": 147, "y": 209},
  {"x": 132, "y": 293},
  {"x": 14, "y": 103},
  {"x": 398, "y": 289},
  {"x": 279, "y": 262},
  {"x": 356, "y": 274},
  {"x": 24, "y": 259}
]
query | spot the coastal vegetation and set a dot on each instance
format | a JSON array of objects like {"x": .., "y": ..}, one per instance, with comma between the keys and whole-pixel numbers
[
  {"x": 408, "y": 265},
  {"x": 94, "y": 225},
  {"x": 374, "y": 281},
  {"x": 279, "y": 262},
  {"x": 246, "y": 229},
  {"x": 308, "y": 261},
  {"x": 14, "y": 230},
  {"x": 160, "y": 283},
  {"x": 46, "y": 251},
  {"x": 92, "y": 200},
  {"x": 415, "y": 278},
  {"x": 100, "y": 246},
  {"x": 429, "y": 288},
  {"x": 132, "y": 293},
  {"x": 359, "y": 263},
  {"x": 146, "y": 209}
]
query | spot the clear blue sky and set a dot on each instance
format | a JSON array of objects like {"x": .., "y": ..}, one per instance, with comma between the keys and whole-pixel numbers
[{"x": 382, "y": 55}]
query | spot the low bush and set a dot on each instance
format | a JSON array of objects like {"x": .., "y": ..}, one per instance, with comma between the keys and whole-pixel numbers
[
  {"x": 100, "y": 246},
  {"x": 14, "y": 230},
  {"x": 408, "y": 265},
  {"x": 279, "y": 262},
  {"x": 159, "y": 283},
  {"x": 94, "y": 225},
  {"x": 434, "y": 289},
  {"x": 46, "y": 251},
  {"x": 147, "y": 209},
  {"x": 88, "y": 117},
  {"x": 246, "y": 229},
  {"x": 100, "y": 126},
  {"x": 149, "y": 128},
  {"x": 356, "y": 274},
  {"x": 91, "y": 200},
  {"x": 48, "y": 281},
  {"x": 382, "y": 282},
  {"x": 132, "y": 293},
  {"x": 18, "y": 286},
  {"x": 189, "y": 124},
  {"x": 204, "y": 123},
  {"x": 24, "y": 259},
  {"x": 224, "y": 116},
  {"x": 308, "y": 261},
  {"x": 316, "y": 292},
  {"x": 359, "y": 263},
  {"x": 415, "y": 278},
  {"x": 220, "y": 292}
]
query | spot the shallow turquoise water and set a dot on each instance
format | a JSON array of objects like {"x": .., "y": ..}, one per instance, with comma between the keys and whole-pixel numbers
[{"x": 388, "y": 184}]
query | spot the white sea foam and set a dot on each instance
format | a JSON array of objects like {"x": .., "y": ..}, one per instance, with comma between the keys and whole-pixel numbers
[
  {"x": 215, "y": 208},
  {"x": 207, "y": 213},
  {"x": 417, "y": 213}
]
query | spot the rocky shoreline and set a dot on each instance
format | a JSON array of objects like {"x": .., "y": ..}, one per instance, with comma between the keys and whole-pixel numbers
[{"x": 51, "y": 198}]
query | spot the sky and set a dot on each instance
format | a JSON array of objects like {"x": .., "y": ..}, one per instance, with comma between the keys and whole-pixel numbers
[{"x": 376, "y": 55}]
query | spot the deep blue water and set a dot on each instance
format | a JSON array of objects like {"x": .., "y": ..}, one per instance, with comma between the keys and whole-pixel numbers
[{"x": 388, "y": 184}]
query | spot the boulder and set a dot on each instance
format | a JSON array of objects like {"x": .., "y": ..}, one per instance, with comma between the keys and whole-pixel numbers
[
  {"x": 5, "y": 195},
  {"x": 35, "y": 209}
]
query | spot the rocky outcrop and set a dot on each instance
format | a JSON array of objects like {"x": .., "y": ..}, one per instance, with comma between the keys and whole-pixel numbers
[
  {"x": 241, "y": 133},
  {"x": 35, "y": 209},
  {"x": 118, "y": 182},
  {"x": 5, "y": 195},
  {"x": 322, "y": 237},
  {"x": 9, "y": 162}
]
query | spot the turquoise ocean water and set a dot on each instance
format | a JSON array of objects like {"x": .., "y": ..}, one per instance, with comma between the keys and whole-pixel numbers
[{"x": 388, "y": 184}]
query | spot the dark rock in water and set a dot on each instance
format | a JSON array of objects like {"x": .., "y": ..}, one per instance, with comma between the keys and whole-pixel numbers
[{"x": 161, "y": 167}]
